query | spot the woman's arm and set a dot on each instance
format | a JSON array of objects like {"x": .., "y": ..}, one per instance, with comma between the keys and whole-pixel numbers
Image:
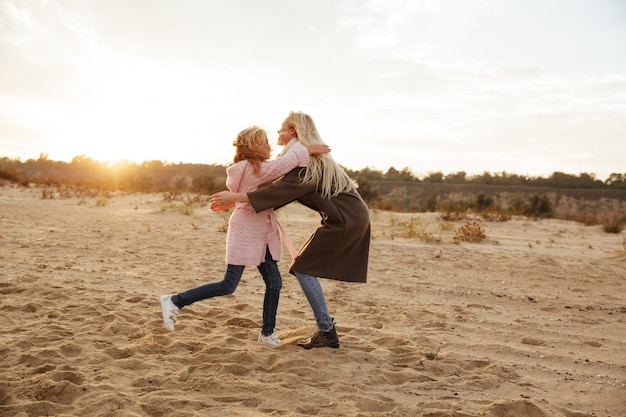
[
  {"x": 271, "y": 170},
  {"x": 284, "y": 191},
  {"x": 226, "y": 199}
]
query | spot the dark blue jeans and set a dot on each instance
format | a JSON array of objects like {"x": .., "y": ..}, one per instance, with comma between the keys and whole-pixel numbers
[{"x": 273, "y": 284}]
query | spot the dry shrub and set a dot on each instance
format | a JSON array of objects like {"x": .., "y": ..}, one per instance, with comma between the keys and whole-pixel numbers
[
  {"x": 539, "y": 206},
  {"x": 496, "y": 216},
  {"x": 410, "y": 229},
  {"x": 588, "y": 218},
  {"x": 420, "y": 231},
  {"x": 185, "y": 209},
  {"x": 47, "y": 194},
  {"x": 471, "y": 231},
  {"x": 452, "y": 212},
  {"x": 385, "y": 205},
  {"x": 613, "y": 223}
]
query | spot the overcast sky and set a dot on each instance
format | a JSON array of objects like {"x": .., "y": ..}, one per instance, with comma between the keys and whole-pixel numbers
[{"x": 523, "y": 86}]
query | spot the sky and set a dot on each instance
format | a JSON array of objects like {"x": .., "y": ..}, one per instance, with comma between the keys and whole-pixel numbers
[{"x": 526, "y": 87}]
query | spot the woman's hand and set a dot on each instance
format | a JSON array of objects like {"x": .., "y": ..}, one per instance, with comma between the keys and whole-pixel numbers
[
  {"x": 218, "y": 207},
  {"x": 318, "y": 149},
  {"x": 226, "y": 199}
]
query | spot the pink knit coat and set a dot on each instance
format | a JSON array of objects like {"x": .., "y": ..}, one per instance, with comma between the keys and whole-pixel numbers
[{"x": 250, "y": 233}]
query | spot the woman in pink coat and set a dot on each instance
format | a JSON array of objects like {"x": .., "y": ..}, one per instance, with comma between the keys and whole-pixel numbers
[{"x": 253, "y": 238}]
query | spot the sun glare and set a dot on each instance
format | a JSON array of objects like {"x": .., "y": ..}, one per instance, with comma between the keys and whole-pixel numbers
[
  {"x": 118, "y": 163},
  {"x": 126, "y": 108},
  {"x": 125, "y": 113}
]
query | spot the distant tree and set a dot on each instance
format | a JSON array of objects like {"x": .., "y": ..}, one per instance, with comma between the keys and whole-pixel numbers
[
  {"x": 368, "y": 173},
  {"x": 616, "y": 180},
  {"x": 153, "y": 164},
  {"x": 539, "y": 206},
  {"x": 562, "y": 180},
  {"x": 81, "y": 160},
  {"x": 393, "y": 174},
  {"x": 366, "y": 190},
  {"x": 407, "y": 174},
  {"x": 588, "y": 180},
  {"x": 456, "y": 178},
  {"x": 486, "y": 178},
  {"x": 615, "y": 177},
  {"x": 435, "y": 177}
]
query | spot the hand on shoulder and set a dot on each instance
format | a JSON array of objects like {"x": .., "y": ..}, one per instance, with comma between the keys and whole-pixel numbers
[{"x": 318, "y": 149}]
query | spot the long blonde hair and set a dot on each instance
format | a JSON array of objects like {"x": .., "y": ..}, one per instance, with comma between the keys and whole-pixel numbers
[{"x": 322, "y": 170}]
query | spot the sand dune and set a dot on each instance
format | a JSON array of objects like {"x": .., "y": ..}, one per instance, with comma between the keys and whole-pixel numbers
[{"x": 528, "y": 322}]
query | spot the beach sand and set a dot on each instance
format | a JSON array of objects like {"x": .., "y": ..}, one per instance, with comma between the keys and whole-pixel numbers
[{"x": 531, "y": 321}]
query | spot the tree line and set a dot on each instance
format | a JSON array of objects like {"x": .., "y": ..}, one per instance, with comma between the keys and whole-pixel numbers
[
  {"x": 159, "y": 176},
  {"x": 555, "y": 180}
]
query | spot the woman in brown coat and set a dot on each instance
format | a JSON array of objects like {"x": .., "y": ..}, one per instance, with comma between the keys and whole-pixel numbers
[{"x": 339, "y": 248}]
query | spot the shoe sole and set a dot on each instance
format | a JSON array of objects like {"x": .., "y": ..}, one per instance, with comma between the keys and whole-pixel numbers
[
  {"x": 268, "y": 344},
  {"x": 308, "y": 347},
  {"x": 163, "y": 300}
]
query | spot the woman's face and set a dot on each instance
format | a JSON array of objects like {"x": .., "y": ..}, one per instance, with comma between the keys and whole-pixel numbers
[{"x": 285, "y": 134}]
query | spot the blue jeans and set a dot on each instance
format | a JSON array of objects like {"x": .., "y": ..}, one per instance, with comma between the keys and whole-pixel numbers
[
  {"x": 273, "y": 284},
  {"x": 313, "y": 291}
]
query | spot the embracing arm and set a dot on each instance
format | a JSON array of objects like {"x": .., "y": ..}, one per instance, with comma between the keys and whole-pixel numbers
[
  {"x": 281, "y": 193},
  {"x": 299, "y": 156},
  {"x": 276, "y": 195},
  {"x": 288, "y": 189},
  {"x": 227, "y": 199}
]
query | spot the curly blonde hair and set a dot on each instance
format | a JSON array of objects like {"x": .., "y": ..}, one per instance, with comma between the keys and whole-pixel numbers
[
  {"x": 322, "y": 170},
  {"x": 252, "y": 146}
]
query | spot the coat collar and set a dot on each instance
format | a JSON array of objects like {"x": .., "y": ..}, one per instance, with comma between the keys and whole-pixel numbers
[{"x": 292, "y": 145}]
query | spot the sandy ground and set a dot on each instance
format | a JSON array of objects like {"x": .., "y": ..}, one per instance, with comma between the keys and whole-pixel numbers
[{"x": 528, "y": 322}]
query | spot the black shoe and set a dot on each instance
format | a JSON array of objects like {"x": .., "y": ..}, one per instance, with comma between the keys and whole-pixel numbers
[{"x": 321, "y": 339}]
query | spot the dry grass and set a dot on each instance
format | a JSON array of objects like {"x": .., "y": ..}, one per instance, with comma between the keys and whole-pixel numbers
[
  {"x": 401, "y": 226},
  {"x": 613, "y": 223}
]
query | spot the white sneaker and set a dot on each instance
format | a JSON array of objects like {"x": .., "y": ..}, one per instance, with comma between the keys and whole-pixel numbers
[
  {"x": 170, "y": 312},
  {"x": 271, "y": 340}
]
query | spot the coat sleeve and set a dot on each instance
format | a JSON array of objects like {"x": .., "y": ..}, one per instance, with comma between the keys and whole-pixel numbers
[{"x": 284, "y": 191}]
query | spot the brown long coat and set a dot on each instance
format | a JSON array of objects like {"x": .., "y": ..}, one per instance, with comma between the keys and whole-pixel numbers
[{"x": 339, "y": 248}]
